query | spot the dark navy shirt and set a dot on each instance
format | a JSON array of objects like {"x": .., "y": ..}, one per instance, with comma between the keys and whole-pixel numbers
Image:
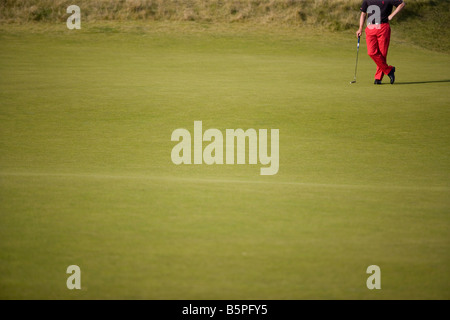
[{"x": 384, "y": 5}]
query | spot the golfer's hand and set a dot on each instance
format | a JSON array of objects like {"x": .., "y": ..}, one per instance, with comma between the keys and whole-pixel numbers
[{"x": 359, "y": 33}]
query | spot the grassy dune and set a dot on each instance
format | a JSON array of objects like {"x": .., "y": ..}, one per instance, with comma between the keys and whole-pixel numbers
[
  {"x": 424, "y": 22},
  {"x": 262, "y": 11}
]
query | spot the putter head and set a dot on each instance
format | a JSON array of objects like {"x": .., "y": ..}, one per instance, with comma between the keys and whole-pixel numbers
[{"x": 354, "y": 81}]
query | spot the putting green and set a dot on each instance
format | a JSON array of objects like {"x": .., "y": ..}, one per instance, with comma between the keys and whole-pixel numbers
[{"x": 86, "y": 176}]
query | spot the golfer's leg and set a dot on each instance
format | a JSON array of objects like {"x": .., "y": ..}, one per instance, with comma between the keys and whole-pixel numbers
[
  {"x": 379, "y": 74},
  {"x": 384, "y": 40},
  {"x": 372, "y": 46}
]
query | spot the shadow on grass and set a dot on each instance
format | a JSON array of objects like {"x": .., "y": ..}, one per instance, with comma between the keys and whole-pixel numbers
[{"x": 422, "y": 82}]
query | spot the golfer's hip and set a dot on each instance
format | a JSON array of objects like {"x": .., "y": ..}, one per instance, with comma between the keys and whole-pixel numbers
[{"x": 378, "y": 26}]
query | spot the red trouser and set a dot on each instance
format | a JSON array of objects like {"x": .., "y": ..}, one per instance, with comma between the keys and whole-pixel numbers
[{"x": 378, "y": 38}]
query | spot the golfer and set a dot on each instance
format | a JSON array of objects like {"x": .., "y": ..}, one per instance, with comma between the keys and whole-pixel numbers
[{"x": 378, "y": 33}]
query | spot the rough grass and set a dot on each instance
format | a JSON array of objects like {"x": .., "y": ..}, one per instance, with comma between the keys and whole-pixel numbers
[
  {"x": 423, "y": 21},
  {"x": 339, "y": 13}
]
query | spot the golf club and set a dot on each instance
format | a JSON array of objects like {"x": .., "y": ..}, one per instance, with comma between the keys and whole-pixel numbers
[{"x": 356, "y": 66}]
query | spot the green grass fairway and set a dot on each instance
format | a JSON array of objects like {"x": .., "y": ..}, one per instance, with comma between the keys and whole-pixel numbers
[{"x": 86, "y": 176}]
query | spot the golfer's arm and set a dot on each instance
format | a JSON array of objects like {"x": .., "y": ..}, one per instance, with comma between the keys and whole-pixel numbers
[
  {"x": 396, "y": 11},
  {"x": 362, "y": 19}
]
